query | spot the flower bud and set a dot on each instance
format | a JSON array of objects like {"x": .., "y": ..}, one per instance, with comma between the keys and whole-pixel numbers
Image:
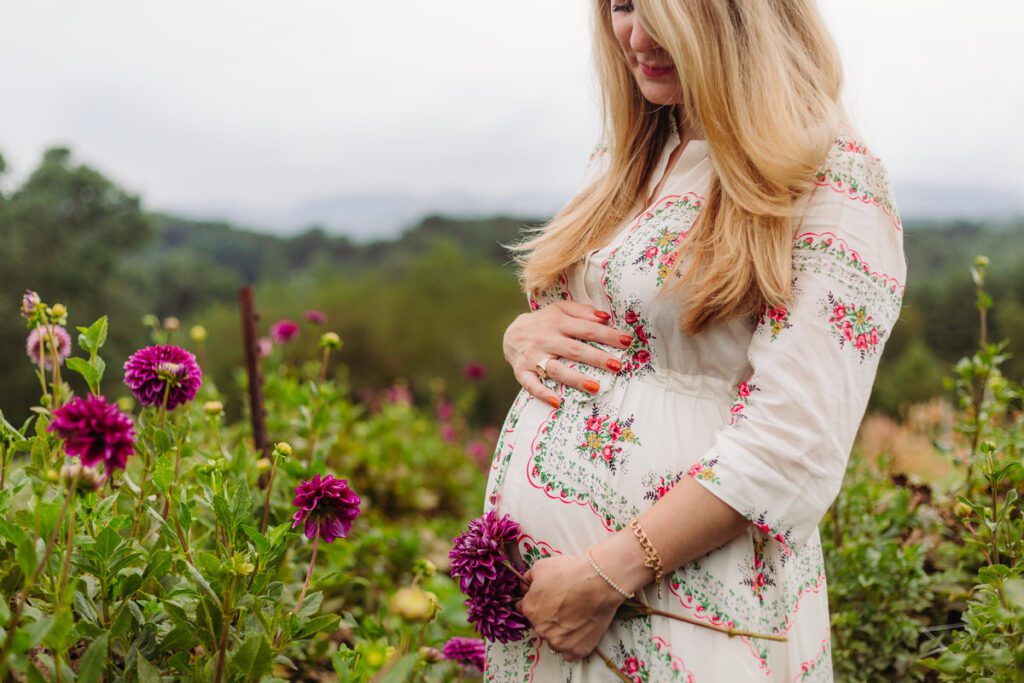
[
  {"x": 171, "y": 323},
  {"x": 981, "y": 261},
  {"x": 53, "y": 475},
  {"x": 126, "y": 404},
  {"x": 413, "y": 604},
  {"x": 58, "y": 310},
  {"x": 29, "y": 301},
  {"x": 330, "y": 340},
  {"x": 424, "y": 568},
  {"x": 283, "y": 449},
  {"x": 213, "y": 408},
  {"x": 390, "y": 652},
  {"x": 240, "y": 565},
  {"x": 198, "y": 333},
  {"x": 89, "y": 478},
  {"x": 962, "y": 509},
  {"x": 431, "y": 654},
  {"x": 263, "y": 464},
  {"x": 150, "y": 320}
]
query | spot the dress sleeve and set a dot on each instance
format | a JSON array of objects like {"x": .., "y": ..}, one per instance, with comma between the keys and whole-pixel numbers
[{"x": 781, "y": 458}]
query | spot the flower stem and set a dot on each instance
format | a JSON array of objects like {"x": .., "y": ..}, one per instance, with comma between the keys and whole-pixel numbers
[
  {"x": 611, "y": 665},
  {"x": 270, "y": 487},
  {"x": 309, "y": 572},
  {"x": 226, "y": 620}
]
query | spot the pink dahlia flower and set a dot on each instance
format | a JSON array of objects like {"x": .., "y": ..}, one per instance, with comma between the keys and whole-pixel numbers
[
  {"x": 39, "y": 342},
  {"x": 327, "y": 506},
  {"x": 95, "y": 431},
  {"x": 163, "y": 369},
  {"x": 316, "y": 317},
  {"x": 476, "y": 371}
]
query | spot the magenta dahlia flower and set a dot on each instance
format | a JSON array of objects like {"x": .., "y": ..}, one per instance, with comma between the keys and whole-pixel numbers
[
  {"x": 466, "y": 651},
  {"x": 327, "y": 506},
  {"x": 39, "y": 342},
  {"x": 495, "y": 617},
  {"x": 478, "y": 554},
  {"x": 95, "y": 431},
  {"x": 164, "y": 369},
  {"x": 316, "y": 317},
  {"x": 283, "y": 331},
  {"x": 476, "y": 371}
]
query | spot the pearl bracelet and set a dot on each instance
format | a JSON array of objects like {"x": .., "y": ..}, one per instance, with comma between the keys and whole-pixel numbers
[{"x": 605, "y": 577}]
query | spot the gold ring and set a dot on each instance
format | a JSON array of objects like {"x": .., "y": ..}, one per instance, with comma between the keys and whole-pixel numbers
[{"x": 542, "y": 367}]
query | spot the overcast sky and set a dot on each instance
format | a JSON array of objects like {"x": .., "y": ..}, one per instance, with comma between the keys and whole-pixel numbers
[{"x": 264, "y": 103}]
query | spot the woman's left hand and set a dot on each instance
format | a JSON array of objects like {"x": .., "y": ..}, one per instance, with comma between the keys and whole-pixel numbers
[{"x": 568, "y": 604}]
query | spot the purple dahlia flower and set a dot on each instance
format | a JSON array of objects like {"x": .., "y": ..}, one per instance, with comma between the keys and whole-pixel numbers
[
  {"x": 496, "y": 618},
  {"x": 39, "y": 342},
  {"x": 155, "y": 370},
  {"x": 478, "y": 554},
  {"x": 327, "y": 506},
  {"x": 95, "y": 431},
  {"x": 29, "y": 301},
  {"x": 283, "y": 331},
  {"x": 466, "y": 651},
  {"x": 316, "y": 317}
]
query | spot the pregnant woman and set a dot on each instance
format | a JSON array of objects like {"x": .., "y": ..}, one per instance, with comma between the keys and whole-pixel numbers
[{"x": 707, "y": 316}]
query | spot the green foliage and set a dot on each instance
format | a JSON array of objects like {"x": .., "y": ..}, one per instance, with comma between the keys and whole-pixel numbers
[{"x": 185, "y": 566}]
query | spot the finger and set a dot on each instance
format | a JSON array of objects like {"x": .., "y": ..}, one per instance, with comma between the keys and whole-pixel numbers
[
  {"x": 560, "y": 372},
  {"x": 584, "y": 329},
  {"x": 519, "y": 606},
  {"x": 528, "y": 575},
  {"x": 579, "y": 351},
  {"x": 530, "y": 381},
  {"x": 578, "y": 309}
]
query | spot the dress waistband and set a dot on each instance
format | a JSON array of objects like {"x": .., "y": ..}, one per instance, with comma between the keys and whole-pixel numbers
[{"x": 700, "y": 386}]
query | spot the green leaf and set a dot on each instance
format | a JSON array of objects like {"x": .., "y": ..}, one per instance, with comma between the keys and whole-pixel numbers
[
  {"x": 317, "y": 624},
  {"x": 163, "y": 473},
  {"x": 258, "y": 539},
  {"x": 252, "y": 660},
  {"x": 93, "y": 661},
  {"x": 27, "y": 556},
  {"x": 93, "y": 337},
  {"x": 83, "y": 368},
  {"x": 399, "y": 673},
  {"x": 57, "y": 637},
  {"x": 147, "y": 672}
]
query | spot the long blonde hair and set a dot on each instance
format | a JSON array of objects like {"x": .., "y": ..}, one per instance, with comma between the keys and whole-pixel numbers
[{"x": 761, "y": 81}]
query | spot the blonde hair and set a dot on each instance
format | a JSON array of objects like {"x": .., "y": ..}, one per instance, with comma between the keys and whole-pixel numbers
[{"x": 761, "y": 81}]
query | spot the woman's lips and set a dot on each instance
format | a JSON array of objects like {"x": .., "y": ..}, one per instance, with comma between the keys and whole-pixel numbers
[{"x": 652, "y": 71}]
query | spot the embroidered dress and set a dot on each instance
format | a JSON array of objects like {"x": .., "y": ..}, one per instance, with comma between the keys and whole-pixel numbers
[{"x": 761, "y": 411}]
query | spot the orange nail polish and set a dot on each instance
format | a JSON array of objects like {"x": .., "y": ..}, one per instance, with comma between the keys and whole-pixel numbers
[
  {"x": 614, "y": 365},
  {"x": 626, "y": 339},
  {"x": 553, "y": 400},
  {"x": 591, "y": 386},
  {"x": 603, "y": 315}
]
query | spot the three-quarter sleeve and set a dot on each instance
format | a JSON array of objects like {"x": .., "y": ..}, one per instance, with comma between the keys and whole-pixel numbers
[{"x": 781, "y": 458}]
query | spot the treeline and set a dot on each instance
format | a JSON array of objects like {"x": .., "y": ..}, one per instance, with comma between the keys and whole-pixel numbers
[{"x": 419, "y": 307}]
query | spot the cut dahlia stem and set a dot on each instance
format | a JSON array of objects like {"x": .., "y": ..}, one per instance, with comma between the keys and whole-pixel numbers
[{"x": 611, "y": 665}]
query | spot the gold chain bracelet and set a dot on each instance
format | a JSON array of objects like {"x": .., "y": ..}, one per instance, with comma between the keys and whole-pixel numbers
[
  {"x": 605, "y": 577},
  {"x": 651, "y": 558}
]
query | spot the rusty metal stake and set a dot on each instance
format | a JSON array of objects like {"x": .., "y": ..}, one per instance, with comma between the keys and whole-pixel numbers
[{"x": 252, "y": 365}]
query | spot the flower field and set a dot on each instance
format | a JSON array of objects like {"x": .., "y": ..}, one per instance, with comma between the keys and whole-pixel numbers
[{"x": 146, "y": 537}]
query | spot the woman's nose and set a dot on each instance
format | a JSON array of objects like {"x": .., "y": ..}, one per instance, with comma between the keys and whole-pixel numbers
[{"x": 640, "y": 40}]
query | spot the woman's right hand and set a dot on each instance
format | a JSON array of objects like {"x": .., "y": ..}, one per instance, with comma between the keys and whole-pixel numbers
[{"x": 557, "y": 330}]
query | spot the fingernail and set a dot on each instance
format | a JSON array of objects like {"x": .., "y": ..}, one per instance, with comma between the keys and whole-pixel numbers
[
  {"x": 603, "y": 315},
  {"x": 614, "y": 365},
  {"x": 591, "y": 386},
  {"x": 553, "y": 400},
  {"x": 626, "y": 339}
]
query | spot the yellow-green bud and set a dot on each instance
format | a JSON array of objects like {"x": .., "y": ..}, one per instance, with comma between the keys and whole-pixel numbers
[
  {"x": 413, "y": 604},
  {"x": 375, "y": 658},
  {"x": 390, "y": 652},
  {"x": 981, "y": 261},
  {"x": 126, "y": 404},
  {"x": 53, "y": 475},
  {"x": 58, "y": 310},
  {"x": 424, "y": 567},
  {"x": 283, "y": 448},
  {"x": 198, "y": 333},
  {"x": 962, "y": 509},
  {"x": 263, "y": 464},
  {"x": 213, "y": 408},
  {"x": 240, "y": 564},
  {"x": 171, "y": 323},
  {"x": 330, "y": 340},
  {"x": 150, "y": 320}
]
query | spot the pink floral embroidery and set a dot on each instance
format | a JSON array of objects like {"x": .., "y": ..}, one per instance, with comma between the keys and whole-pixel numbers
[
  {"x": 637, "y": 358},
  {"x": 742, "y": 402},
  {"x": 705, "y": 469},
  {"x": 853, "y": 325},
  {"x": 603, "y": 438},
  {"x": 776, "y": 318},
  {"x": 656, "y": 485}
]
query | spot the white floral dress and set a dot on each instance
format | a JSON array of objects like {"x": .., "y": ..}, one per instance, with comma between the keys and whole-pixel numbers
[{"x": 761, "y": 411}]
